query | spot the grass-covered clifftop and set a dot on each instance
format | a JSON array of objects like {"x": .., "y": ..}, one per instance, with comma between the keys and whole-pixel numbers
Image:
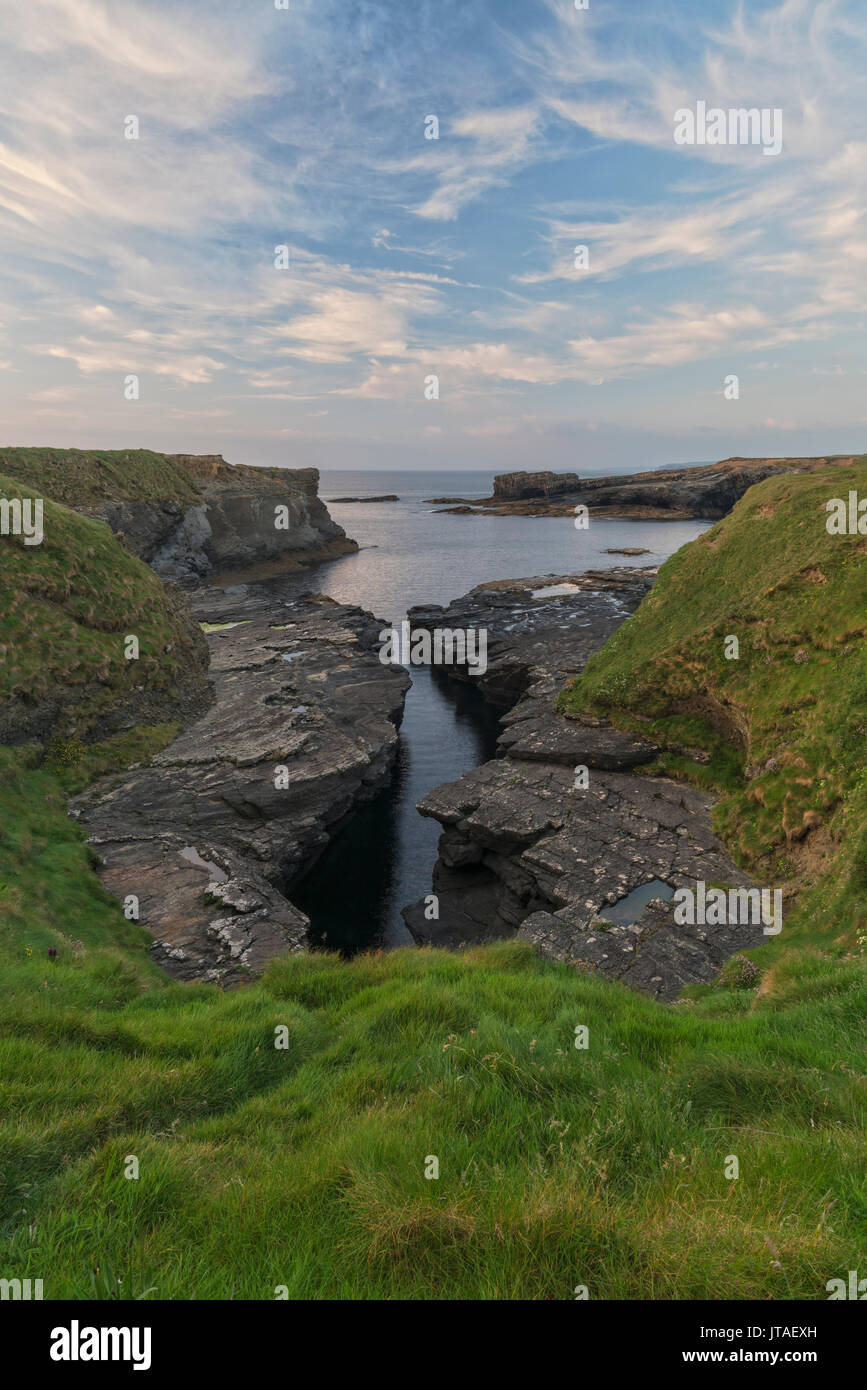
[
  {"x": 68, "y": 606},
  {"x": 781, "y": 730},
  {"x": 189, "y": 515},
  {"x": 89, "y": 477},
  {"x": 303, "y": 1166}
]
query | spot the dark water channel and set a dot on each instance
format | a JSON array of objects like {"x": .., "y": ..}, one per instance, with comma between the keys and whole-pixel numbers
[{"x": 382, "y": 859}]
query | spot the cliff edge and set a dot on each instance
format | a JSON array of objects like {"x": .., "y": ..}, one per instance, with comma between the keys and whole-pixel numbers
[
  {"x": 670, "y": 494},
  {"x": 188, "y": 515}
]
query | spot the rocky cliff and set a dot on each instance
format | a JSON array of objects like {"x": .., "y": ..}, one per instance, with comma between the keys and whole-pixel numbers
[
  {"x": 517, "y": 487},
  {"x": 211, "y": 835},
  {"x": 523, "y": 849},
  {"x": 188, "y": 515},
  {"x": 670, "y": 494},
  {"x": 297, "y": 724}
]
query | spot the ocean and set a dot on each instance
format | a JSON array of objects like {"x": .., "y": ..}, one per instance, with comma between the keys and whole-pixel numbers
[{"x": 409, "y": 555}]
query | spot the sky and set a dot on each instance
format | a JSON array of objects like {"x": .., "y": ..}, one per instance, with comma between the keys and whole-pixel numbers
[{"x": 412, "y": 258}]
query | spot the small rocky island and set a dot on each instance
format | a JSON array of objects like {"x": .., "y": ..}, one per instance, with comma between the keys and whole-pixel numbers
[{"x": 385, "y": 497}]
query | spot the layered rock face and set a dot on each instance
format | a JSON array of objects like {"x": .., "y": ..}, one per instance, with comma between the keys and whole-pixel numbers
[
  {"x": 671, "y": 494},
  {"x": 232, "y": 527},
  {"x": 691, "y": 492},
  {"x": 516, "y": 487},
  {"x": 524, "y": 849},
  {"x": 210, "y": 837}
]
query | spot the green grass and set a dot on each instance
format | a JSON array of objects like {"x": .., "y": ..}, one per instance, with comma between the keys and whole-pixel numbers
[
  {"x": 304, "y": 1167},
  {"x": 87, "y": 477},
  {"x": 67, "y": 607},
  {"x": 781, "y": 731}
]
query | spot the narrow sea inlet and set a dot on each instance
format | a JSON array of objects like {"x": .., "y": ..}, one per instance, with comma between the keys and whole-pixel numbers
[
  {"x": 433, "y": 656},
  {"x": 383, "y": 859}
]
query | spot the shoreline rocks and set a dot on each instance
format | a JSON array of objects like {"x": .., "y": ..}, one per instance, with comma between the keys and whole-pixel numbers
[
  {"x": 202, "y": 843},
  {"x": 541, "y": 630},
  {"x": 707, "y": 491},
  {"x": 210, "y": 837},
  {"x": 524, "y": 850}
]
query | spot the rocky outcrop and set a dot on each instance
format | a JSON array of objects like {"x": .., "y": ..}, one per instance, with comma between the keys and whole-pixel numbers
[
  {"x": 251, "y": 520},
  {"x": 210, "y": 837},
  {"x": 385, "y": 497},
  {"x": 670, "y": 494},
  {"x": 529, "y": 847},
  {"x": 540, "y": 631},
  {"x": 517, "y": 487}
]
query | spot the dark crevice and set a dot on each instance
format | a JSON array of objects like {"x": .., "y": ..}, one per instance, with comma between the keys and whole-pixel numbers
[{"x": 383, "y": 858}]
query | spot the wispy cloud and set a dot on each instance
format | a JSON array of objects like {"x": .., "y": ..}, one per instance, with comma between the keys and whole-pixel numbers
[
  {"x": 483, "y": 150},
  {"x": 410, "y": 256}
]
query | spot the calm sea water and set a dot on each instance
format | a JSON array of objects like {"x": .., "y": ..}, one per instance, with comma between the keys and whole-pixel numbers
[
  {"x": 414, "y": 553},
  {"x": 409, "y": 555}
]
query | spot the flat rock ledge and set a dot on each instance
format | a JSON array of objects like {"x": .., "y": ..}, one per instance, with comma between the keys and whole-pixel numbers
[
  {"x": 523, "y": 850},
  {"x": 204, "y": 837}
]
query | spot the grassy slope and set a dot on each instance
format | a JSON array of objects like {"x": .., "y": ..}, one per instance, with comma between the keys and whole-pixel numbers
[
  {"x": 304, "y": 1167},
  {"x": 785, "y": 725},
  {"x": 86, "y": 477},
  {"x": 68, "y": 605}
]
